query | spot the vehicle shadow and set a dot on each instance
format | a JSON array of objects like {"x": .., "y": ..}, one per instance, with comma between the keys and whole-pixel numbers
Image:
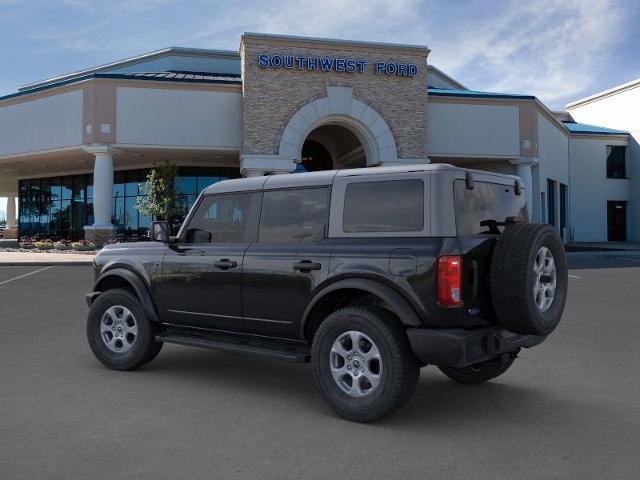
[{"x": 437, "y": 403}]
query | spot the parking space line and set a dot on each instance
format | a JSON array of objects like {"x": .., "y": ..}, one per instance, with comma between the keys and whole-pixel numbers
[
  {"x": 574, "y": 276},
  {"x": 25, "y": 275}
]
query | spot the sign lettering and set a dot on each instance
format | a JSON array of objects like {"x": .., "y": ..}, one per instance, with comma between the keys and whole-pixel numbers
[{"x": 331, "y": 64}]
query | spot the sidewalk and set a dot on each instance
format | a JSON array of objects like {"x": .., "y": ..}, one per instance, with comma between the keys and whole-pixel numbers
[
  {"x": 605, "y": 249},
  {"x": 38, "y": 259}
]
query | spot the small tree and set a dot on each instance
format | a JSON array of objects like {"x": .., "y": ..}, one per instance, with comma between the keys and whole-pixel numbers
[{"x": 160, "y": 200}]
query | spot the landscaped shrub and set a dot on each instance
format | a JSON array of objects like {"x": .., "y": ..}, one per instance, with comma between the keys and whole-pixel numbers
[
  {"x": 43, "y": 244},
  {"x": 62, "y": 245},
  {"x": 83, "y": 245},
  {"x": 35, "y": 243}
]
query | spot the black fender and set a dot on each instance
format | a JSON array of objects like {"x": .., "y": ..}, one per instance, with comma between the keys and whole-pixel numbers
[
  {"x": 138, "y": 285},
  {"x": 396, "y": 302}
]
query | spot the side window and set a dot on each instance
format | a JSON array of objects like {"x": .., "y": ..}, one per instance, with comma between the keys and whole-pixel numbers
[
  {"x": 224, "y": 218},
  {"x": 296, "y": 215},
  {"x": 384, "y": 206}
]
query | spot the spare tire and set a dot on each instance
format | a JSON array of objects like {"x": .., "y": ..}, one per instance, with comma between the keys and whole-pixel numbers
[{"x": 529, "y": 278}]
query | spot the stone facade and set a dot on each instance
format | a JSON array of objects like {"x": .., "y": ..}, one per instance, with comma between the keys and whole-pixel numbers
[
  {"x": 272, "y": 96},
  {"x": 99, "y": 236}
]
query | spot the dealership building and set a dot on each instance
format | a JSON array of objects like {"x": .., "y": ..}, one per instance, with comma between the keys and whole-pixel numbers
[{"x": 74, "y": 150}]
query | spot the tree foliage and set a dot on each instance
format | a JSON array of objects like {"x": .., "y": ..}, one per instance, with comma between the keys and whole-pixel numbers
[{"x": 160, "y": 200}]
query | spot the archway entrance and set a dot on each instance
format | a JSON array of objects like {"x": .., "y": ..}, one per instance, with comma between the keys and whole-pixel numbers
[{"x": 331, "y": 147}]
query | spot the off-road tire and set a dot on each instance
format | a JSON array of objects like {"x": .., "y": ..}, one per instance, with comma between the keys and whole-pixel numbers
[
  {"x": 399, "y": 375},
  {"x": 144, "y": 349},
  {"x": 512, "y": 279},
  {"x": 480, "y": 372}
]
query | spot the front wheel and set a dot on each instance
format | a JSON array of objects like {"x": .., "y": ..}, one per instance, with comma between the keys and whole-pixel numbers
[
  {"x": 119, "y": 333},
  {"x": 362, "y": 363},
  {"x": 480, "y": 372}
]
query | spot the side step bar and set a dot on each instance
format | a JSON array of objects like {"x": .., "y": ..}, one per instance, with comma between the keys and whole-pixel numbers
[{"x": 289, "y": 352}]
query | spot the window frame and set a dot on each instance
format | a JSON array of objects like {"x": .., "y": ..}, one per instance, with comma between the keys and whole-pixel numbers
[
  {"x": 338, "y": 196},
  {"x": 608, "y": 150},
  {"x": 325, "y": 234},
  {"x": 253, "y": 220}
]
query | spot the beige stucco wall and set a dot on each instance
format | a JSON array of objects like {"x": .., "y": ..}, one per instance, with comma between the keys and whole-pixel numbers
[{"x": 272, "y": 96}]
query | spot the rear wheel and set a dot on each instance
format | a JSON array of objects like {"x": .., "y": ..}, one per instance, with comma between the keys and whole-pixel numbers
[
  {"x": 480, "y": 372},
  {"x": 362, "y": 363},
  {"x": 119, "y": 333}
]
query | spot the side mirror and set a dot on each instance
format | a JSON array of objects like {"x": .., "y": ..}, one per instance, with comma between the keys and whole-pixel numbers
[{"x": 160, "y": 232}]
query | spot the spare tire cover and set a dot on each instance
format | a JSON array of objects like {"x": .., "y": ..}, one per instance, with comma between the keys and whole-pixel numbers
[{"x": 529, "y": 278}]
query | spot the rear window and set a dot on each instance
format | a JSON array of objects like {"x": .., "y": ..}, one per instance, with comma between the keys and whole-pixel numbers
[
  {"x": 385, "y": 206},
  {"x": 477, "y": 209}
]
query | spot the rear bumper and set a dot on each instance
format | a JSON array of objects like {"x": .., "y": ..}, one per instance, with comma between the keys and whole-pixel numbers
[{"x": 458, "y": 347}]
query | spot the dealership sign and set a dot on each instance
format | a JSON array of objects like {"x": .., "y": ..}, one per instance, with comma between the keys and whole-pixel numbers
[{"x": 335, "y": 64}]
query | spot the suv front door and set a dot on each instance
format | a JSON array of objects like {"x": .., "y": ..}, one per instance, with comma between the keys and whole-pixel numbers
[
  {"x": 202, "y": 271},
  {"x": 289, "y": 261}
]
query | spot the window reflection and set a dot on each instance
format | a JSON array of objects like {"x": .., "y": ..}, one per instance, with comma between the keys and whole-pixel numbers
[{"x": 60, "y": 207}]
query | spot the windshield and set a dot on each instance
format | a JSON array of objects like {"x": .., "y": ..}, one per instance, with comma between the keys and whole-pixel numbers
[{"x": 484, "y": 209}]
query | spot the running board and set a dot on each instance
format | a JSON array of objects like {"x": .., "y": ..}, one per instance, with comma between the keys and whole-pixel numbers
[{"x": 279, "y": 350}]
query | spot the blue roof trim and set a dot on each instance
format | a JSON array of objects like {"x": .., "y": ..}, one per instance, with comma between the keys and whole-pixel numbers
[
  {"x": 226, "y": 79},
  {"x": 575, "y": 127},
  {"x": 445, "y": 92}
]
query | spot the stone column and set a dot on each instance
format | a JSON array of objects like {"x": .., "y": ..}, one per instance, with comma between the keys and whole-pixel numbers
[
  {"x": 252, "y": 173},
  {"x": 102, "y": 228},
  {"x": 11, "y": 232},
  {"x": 523, "y": 170},
  {"x": 11, "y": 212},
  {"x": 257, "y": 165}
]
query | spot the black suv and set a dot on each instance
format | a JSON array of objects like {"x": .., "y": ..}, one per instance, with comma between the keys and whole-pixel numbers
[{"x": 369, "y": 274}]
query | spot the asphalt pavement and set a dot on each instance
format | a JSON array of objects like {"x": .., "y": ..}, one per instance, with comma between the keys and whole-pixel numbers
[{"x": 567, "y": 409}]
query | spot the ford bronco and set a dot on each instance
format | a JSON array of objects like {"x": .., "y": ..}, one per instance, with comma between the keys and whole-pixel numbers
[{"x": 369, "y": 274}]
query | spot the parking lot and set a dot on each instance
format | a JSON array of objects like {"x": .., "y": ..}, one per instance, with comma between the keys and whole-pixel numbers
[{"x": 567, "y": 409}]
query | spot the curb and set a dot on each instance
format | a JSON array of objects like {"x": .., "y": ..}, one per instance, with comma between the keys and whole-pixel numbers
[{"x": 614, "y": 254}]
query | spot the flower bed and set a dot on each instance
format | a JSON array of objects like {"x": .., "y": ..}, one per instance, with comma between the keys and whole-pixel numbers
[{"x": 46, "y": 245}]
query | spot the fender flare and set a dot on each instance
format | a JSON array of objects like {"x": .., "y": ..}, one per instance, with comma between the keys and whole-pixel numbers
[
  {"x": 138, "y": 285},
  {"x": 397, "y": 303}
]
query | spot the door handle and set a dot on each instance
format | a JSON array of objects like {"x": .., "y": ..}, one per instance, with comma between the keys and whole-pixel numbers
[
  {"x": 306, "y": 266},
  {"x": 225, "y": 264}
]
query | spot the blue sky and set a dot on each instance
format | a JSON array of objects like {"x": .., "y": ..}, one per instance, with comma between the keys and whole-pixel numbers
[{"x": 559, "y": 50}]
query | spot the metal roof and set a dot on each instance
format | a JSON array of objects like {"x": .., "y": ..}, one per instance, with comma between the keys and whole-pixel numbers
[
  {"x": 445, "y": 92},
  {"x": 132, "y": 61},
  {"x": 187, "y": 77},
  {"x": 575, "y": 127},
  {"x": 175, "y": 75}
]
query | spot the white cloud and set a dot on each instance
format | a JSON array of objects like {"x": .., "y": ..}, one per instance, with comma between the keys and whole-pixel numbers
[
  {"x": 548, "y": 48},
  {"x": 553, "y": 49}
]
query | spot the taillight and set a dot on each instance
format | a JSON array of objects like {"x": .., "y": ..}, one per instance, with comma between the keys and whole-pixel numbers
[{"x": 449, "y": 281}]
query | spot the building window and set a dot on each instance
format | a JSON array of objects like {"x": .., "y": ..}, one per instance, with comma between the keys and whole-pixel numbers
[
  {"x": 563, "y": 205},
  {"x": 60, "y": 207},
  {"x": 616, "y": 161},
  {"x": 551, "y": 202}
]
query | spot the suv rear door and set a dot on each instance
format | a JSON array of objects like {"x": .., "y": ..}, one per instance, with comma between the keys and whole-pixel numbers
[{"x": 289, "y": 260}]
